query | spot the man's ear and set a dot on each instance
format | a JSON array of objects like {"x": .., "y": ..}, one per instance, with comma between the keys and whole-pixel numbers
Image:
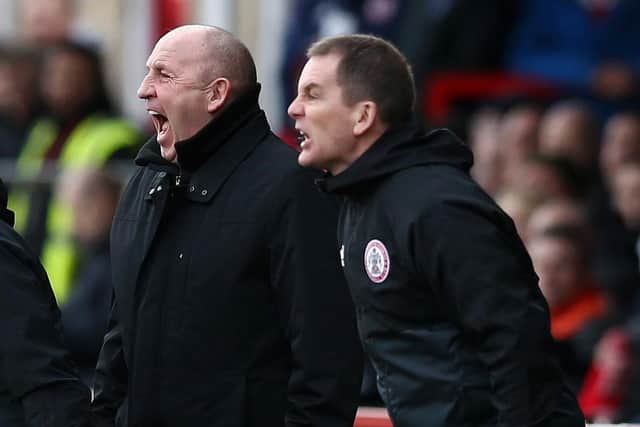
[
  {"x": 366, "y": 116},
  {"x": 218, "y": 94}
]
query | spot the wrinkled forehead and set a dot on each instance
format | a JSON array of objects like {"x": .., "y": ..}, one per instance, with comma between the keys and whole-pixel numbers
[{"x": 176, "y": 49}]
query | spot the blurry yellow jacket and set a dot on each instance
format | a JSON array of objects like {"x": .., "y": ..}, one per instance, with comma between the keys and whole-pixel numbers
[{"x": 91, "y": 143}]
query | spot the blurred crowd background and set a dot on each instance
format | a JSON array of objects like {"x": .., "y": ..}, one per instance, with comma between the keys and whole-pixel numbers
[{"x": 546, "y": 93}]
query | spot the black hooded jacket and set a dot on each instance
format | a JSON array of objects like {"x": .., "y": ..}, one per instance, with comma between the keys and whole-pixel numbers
[
  {"x": 447, "y": 301},
  {"x": 39, "y": 384},
  {"x": 230, "y": 307}
]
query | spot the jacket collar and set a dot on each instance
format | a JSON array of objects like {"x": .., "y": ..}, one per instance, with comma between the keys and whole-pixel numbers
[
  {"x": 400, "y": 148},
  {"x": 207, "y": 159}
]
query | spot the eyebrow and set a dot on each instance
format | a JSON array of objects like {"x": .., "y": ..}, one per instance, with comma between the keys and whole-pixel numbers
[
  {"x": 158, "y": 65},
  {"x": 310, "y": 86}
]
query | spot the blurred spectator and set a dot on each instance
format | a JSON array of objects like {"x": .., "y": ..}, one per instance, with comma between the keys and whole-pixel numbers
[
  {"x": 571, "y": 213},
  {"x": 18, "y": 97},
  {"x": 518, "y": 132},
  {"x": 620, "y": 142},
  {"x": 518, "y": 136},
  {"x": 585, "y": 46},
  {"x": 504, "y": 146},
  {"x": 543, "y": 178},
  {"x": 626, "y": 195},
  {"x": 630, "y": 412},
  {"x": 484, "y": 140},
  {"x": 560, "y": 256},
  {"x": 92, "y": 195},
  {"x": 78, "y": 128},
  {"x": 45, "y": 22},
  {"x": 616, "y": 261},
  {"x": 569, "y": 129},
  {"x": 560, "y": 212},
  {"x": 607, "y": 384},
  {"x": 519, "y": 206}
]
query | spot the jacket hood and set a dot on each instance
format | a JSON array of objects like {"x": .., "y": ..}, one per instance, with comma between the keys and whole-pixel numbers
[
  {"x": 401, "y": 148},
  {"x": 194, "y": 151},
  {"x": 5, "y": 214}
]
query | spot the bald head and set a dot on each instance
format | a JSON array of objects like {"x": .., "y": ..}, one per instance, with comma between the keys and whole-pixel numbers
[
  {"x": 194, "y": 72},
  {"x": 216, "y": 53}
]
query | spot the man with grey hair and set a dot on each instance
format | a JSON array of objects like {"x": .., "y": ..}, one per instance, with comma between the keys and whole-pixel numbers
[{"x": 227, "y": 310}]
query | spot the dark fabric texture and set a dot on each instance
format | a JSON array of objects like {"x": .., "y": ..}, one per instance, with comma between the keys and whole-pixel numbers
[
  {"x": 39, "y": 384},
  {"x": 448, "y": 306}
]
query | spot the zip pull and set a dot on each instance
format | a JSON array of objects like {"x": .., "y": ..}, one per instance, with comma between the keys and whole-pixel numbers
[{"x": 178, "y": 177}]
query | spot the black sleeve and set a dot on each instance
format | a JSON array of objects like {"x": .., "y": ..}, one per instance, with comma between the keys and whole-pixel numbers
[
  {"x": 471, "y": 253},
  {"x": 316, "y": 309},
  {"x": 110, "y": 385},
  {"x": 34, "y": 361}
]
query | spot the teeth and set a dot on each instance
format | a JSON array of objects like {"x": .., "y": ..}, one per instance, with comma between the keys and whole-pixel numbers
[
  {"x": 154, "y": 113},
  {"x": 301, "y": 136}
]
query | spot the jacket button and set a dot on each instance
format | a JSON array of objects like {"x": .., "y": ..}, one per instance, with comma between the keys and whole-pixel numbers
[
  {"x": 153, "y": 190},
  {"x": 192, "y": 189},
  {"x": 159, "y": 188},
  {"x": 162, "y": 174},
  {"x": 204, "y": 192},
  {"x": 180, "y": 255}
]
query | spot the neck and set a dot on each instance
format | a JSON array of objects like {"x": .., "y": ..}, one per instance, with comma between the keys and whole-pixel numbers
[{"x": 362, "y": 145}]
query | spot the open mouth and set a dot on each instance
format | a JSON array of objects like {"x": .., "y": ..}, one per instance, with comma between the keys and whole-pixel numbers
[
  {"x": 160, "y": 122},
  {"x": 303, "y": 138}
]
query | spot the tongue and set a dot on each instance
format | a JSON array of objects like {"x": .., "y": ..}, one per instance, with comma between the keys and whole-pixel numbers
[
  {"x": 164, "y": 134},
  {"x": 164, "y": 126}
]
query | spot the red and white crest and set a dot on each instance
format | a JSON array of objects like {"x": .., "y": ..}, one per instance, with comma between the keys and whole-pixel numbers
[{"x": 376, "y": 261}]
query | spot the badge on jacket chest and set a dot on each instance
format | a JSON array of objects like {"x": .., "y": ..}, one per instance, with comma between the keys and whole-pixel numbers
[{"x": 376, "y": 261}]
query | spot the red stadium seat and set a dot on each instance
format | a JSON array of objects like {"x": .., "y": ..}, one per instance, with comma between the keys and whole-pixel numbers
[{"x": 442, "y": 90}]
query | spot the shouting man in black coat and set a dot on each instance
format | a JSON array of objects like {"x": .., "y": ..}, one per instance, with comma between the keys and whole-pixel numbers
[
  {"x": 448, "y": 306},
  {"x": 39, "y": 384},
  {"x": 227, "y": 310}
]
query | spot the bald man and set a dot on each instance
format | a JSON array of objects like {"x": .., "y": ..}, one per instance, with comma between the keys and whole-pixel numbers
[{"x": 227, "y": 309}]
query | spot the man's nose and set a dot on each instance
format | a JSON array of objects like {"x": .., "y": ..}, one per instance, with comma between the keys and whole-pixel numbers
[
  {"x": 146, "y": 89},
  {"x": 295, "y": 109}
]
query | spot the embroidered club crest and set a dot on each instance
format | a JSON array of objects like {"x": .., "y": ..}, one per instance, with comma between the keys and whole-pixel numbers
[{"x": 376, "y": 261}]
